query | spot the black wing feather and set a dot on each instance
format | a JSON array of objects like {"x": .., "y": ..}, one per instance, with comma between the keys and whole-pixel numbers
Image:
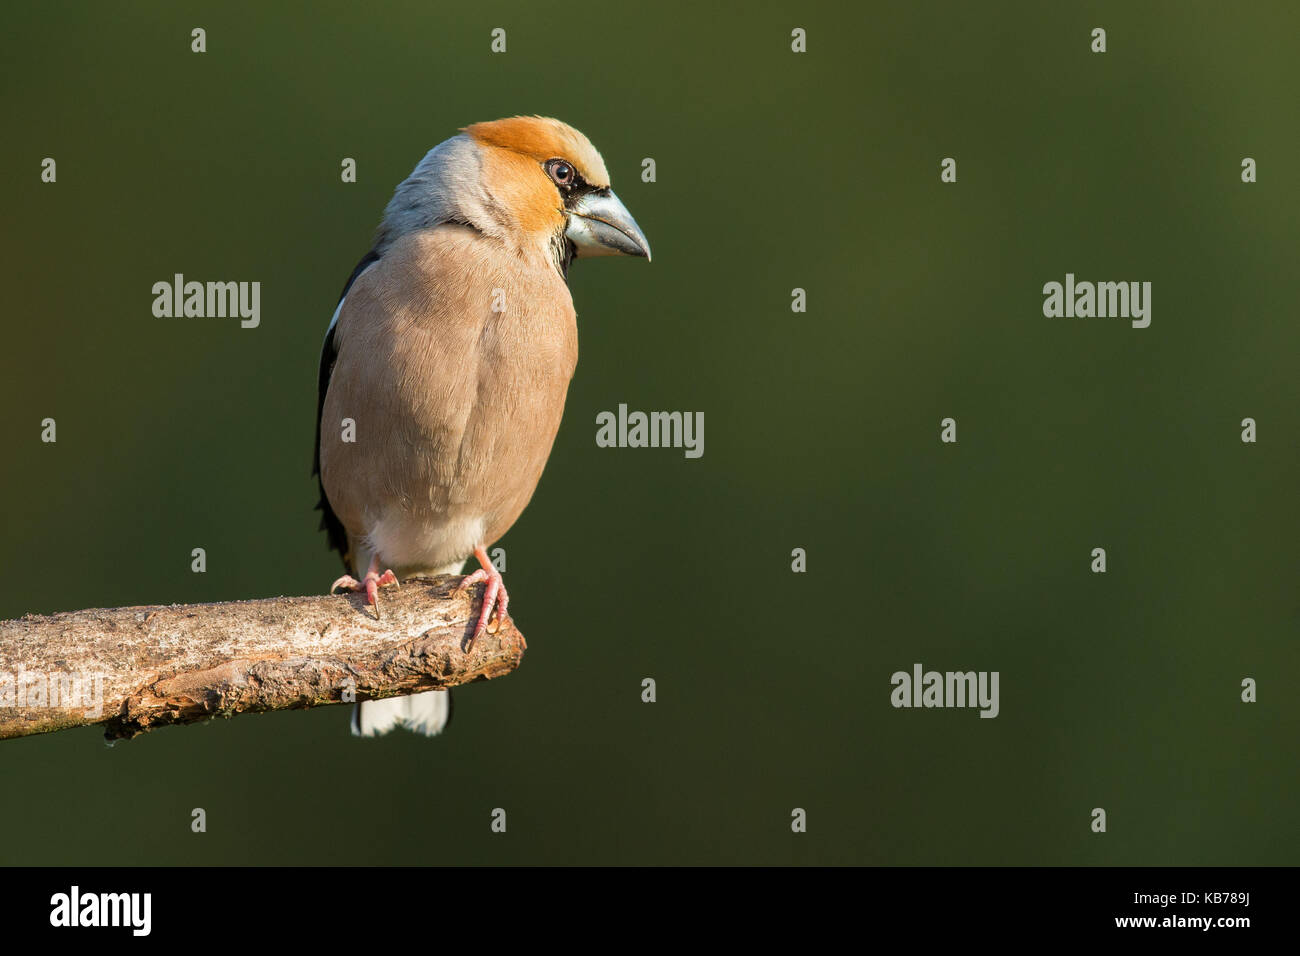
[{"x": 329, "y": 521}]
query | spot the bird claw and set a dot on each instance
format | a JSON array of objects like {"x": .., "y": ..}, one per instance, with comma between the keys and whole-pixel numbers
[
  {"x": 494, "y": 597},
  {"x": 371, "y": 584}
]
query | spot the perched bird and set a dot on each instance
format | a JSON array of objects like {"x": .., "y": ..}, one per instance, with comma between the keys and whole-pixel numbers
[{"x": 445, "y": 367}]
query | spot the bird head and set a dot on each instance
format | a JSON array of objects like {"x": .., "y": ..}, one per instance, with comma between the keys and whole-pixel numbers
[
  {"x": 556, "y": 184},
  {"x": 530, "y": 181}
]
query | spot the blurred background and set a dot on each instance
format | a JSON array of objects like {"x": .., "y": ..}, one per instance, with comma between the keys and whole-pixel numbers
[{"x": 775, "y": 171}]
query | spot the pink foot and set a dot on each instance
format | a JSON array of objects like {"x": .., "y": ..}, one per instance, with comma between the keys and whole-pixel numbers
[
  {"x": 371, "y": 584},
  {"x": 494, "y": 595}
]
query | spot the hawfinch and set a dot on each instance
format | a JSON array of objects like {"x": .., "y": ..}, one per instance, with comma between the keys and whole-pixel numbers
[{"x": 444, "y": 370}]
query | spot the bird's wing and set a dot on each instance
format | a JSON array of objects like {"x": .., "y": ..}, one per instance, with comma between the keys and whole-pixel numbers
[{"x": 329, "y": 522}]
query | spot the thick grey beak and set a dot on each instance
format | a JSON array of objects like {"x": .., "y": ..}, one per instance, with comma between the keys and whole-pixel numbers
[{"x": 600, "y": 225}]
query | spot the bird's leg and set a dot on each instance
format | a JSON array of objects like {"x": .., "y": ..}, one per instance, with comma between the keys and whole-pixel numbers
[
  {"x": 494, "y": 594},
  {"x": 371, "y": 583}
]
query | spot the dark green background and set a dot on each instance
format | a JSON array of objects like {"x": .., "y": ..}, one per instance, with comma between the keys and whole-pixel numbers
[{"x": 775, "y": 170}]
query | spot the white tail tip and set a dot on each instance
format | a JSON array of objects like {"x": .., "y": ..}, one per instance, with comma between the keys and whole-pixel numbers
[{"x": 426, "y": 713}]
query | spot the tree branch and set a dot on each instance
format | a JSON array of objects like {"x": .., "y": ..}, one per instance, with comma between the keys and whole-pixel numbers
[{"x": 136, "y": 668}]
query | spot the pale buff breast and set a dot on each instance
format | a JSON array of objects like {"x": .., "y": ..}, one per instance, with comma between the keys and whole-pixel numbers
[{"x": 456, "y": 405}]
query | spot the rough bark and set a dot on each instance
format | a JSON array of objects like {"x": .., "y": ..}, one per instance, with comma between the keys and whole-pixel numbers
[{"x": 182, "y": 663}]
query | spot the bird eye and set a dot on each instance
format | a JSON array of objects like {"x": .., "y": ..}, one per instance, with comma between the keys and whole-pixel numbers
[{"x": 561, "y": 172}]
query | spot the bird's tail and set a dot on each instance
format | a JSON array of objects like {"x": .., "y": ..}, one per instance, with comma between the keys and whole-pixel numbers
[{"x": 426, "y": 713}]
